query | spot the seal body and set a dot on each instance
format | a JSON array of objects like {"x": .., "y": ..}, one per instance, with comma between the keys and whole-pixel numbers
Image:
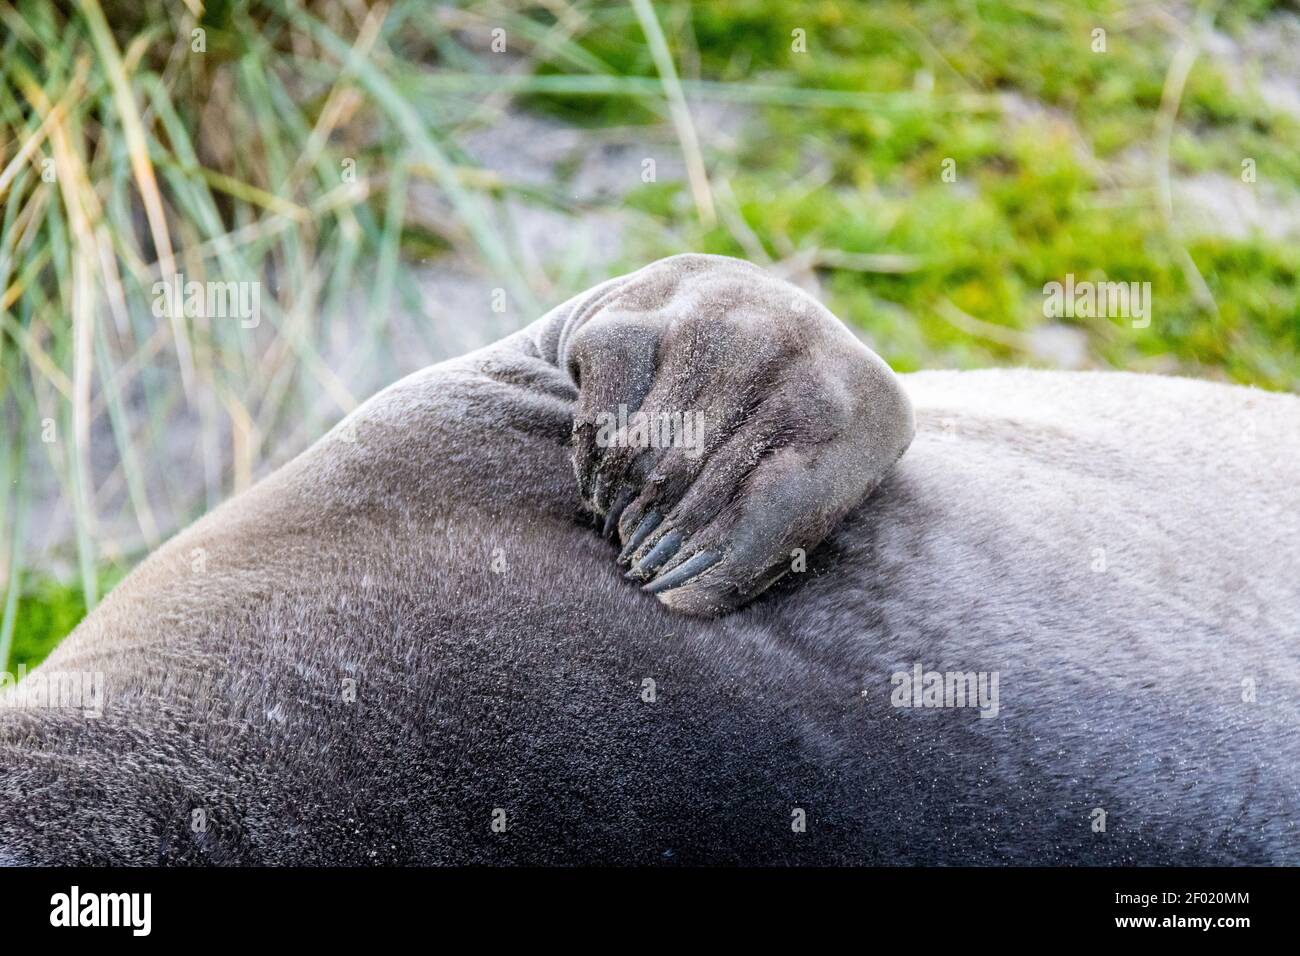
[{"x": 412, "y": 645}]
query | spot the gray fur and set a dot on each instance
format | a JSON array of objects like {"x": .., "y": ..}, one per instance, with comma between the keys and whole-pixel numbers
[{"x": 371, "y": 560}]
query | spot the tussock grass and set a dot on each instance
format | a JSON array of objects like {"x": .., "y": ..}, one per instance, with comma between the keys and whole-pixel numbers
[{"x": 131, "y": 150}]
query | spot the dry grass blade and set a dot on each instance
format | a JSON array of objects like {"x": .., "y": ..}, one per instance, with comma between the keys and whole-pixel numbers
[{"x": 695, "y": 172}]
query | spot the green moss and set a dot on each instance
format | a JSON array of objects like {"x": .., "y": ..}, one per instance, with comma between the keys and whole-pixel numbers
[
  {"x": 1059, "y": 184},
  {"x": 48, "y": 610}
]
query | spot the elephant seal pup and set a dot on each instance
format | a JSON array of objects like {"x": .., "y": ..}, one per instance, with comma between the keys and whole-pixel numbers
[{"x": 1061, "y": 630}]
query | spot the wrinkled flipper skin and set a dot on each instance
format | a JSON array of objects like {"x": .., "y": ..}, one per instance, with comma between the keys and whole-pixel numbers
[{"x": 785, "y": 422}]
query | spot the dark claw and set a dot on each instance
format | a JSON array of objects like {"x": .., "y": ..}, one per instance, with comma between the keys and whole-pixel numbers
[
  {"x": 659, "y": 554},
  {"x": 600, "y": 490},
  {"x": 643, "y": 531},
  {"x": 616, "y": 511},
  {"x": 692, "y": 566}
]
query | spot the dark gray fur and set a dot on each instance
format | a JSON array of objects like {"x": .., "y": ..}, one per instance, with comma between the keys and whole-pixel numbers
[{"x": 371, "y": 560}]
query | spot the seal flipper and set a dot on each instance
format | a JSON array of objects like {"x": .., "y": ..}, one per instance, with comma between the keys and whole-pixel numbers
[{"x": 796, "y": 423}]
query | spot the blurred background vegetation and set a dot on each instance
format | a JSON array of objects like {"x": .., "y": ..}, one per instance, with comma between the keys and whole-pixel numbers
[{"x": 408, "y": 180}]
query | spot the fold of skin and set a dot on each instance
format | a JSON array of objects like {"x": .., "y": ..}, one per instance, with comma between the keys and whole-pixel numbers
[{"x": 1123, "y": 551}]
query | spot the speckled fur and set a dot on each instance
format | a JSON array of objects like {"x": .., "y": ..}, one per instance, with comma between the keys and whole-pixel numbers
[{"x": 226, "y": 652}]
